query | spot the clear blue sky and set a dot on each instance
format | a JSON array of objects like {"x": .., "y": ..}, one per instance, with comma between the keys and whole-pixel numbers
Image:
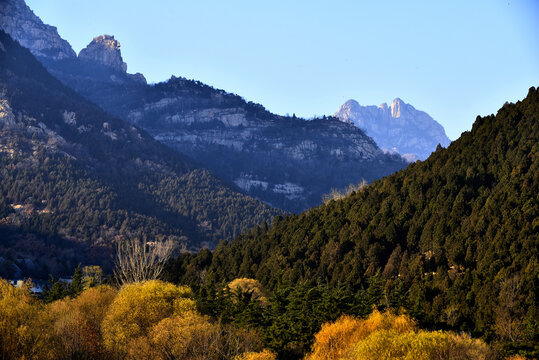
[{"x": 453, "y": 60}]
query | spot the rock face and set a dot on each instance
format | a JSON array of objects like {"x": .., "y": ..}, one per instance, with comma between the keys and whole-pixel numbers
[
  {"x": 22, "y": 24},
  {"x": 104, "y": 50},
  {"x": 397, "y": 128}
]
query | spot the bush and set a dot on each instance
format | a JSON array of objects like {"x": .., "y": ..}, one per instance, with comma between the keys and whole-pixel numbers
[{"x": 263, "y": 355}]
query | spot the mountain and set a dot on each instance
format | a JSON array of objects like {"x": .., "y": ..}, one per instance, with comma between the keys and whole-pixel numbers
[
  {"x": 72, "y": 173},
  {"x": 454, "y": 239},
  {"x": 398, "y": 127},
  {"x": 287, "y": 162}
]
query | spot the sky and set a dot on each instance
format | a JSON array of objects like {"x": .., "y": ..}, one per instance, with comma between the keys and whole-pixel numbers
[{"x": 454, "y": 59}]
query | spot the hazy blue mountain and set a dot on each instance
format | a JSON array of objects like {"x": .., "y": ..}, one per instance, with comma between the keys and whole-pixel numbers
[{"x": 398, "y": 127}]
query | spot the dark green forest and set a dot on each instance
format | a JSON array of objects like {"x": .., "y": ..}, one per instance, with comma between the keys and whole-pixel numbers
[{"x": 453, "y": 240}]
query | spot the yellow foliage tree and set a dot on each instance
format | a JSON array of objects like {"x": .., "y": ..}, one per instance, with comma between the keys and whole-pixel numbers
[
  {"x": 24, "y": 330},
  {"x": 140, "y": 306},
  {"x": 192, "y": 336},
  {"x": 186, "y": 336},
  {"x": 389, "y": 336},
  {"x": 334, "y": 339},
  {"x": 77, "y": 322},
  {"x": 420, "y": 345}
]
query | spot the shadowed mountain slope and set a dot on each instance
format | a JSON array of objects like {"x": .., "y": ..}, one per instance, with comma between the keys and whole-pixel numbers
[{"x": 71, "y": 170}]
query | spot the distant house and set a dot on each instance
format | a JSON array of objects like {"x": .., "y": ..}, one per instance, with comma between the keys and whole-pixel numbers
[{"x": 36, "y": 287}]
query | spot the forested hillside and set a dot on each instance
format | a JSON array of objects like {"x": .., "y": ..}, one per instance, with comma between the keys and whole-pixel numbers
[
  {"x": 68, "y": 170},
  {"x": 453, "y": 240}
]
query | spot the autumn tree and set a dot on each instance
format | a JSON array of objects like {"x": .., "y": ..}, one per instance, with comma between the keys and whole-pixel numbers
[
  {"x": 24, "y": 328},
  {"x": 250, "y": 286},
  {"x": 389, "y": 336},
  {"x": 140, "y": 306},
  {"x": 77, "y": 323}
]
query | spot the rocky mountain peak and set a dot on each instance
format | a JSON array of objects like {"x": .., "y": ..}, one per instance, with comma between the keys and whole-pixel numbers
[
  {"x": 397, "y": 127},
  {"x": 105, "y": 50},
  {"x": 23, "y": 25}
]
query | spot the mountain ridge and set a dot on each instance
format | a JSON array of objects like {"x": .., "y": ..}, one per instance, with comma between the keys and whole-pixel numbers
[
  {"x": 76, "y": 172},
  {"x": 239, "y": 141}
]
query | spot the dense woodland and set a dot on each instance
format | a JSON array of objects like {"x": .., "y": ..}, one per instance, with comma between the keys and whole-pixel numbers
[{"x": 453, "y": 240}]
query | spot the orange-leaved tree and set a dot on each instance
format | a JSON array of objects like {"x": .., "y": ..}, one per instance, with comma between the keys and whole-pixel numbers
[
  {"x": 389, "y": 336},
  {"x": 24, "y": 329}
]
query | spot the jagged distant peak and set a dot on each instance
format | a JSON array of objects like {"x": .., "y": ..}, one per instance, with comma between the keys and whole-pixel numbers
[
  {"x": 104, "y": 49},
  {"x": 396, "y": 127},
  {"x": 20, "y": 22}
]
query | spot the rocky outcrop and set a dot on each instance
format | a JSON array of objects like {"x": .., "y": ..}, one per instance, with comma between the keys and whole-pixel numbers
[
  {"x": 398, "y": 127},
  {"x": 105, "y": 50},
  {"x": 23, "y": 25}
]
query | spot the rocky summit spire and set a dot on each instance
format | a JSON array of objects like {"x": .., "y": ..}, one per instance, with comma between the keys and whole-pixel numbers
[
  {"x": 105, "y": 50},
  {"x": 23, "y": 25}
]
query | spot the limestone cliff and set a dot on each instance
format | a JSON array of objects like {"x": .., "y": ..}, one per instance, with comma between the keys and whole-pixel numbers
[{"x": 287, "y": 162}]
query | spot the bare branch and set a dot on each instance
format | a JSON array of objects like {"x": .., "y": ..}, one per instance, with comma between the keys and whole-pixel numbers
[{"x": 139, "y": 260}]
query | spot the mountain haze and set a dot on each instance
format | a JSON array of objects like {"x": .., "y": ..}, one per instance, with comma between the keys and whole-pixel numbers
[{"x": 398, "y": 127}]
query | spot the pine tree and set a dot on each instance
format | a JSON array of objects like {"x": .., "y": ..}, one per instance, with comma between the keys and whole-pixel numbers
[{"x": 76, "y": 283}]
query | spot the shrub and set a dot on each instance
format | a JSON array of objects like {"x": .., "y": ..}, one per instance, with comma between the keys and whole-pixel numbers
[{"x": 263, "y": 355}]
